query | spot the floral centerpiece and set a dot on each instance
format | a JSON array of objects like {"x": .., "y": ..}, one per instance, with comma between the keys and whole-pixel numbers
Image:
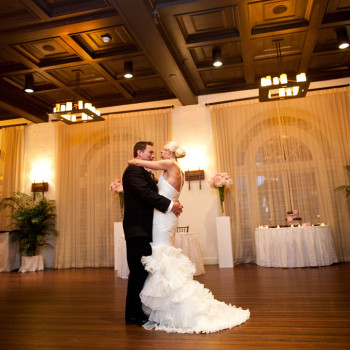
[
  {"x": 117, "y": 187},
  {"x": 221, "y": 181}
]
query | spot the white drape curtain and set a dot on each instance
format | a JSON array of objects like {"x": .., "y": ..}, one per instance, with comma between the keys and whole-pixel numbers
[
  {"x": 11, "y": 166},
  {"x": 88, "y": 158},
  {"x": 285, "y": 155}
]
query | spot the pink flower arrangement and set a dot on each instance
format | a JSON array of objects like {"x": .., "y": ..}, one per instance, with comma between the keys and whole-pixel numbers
[
  {"x": 221, "y": 181},
  {"x": 117, "y": 187}
]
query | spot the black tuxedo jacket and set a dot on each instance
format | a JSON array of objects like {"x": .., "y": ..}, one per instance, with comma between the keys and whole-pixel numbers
[{"x": 141, "y": 197}]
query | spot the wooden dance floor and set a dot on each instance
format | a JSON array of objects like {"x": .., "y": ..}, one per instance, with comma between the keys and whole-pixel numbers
[{"x": 301, "y": 308}]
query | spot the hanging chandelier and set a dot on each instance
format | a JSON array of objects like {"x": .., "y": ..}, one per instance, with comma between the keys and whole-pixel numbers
[
  {"x": 75, "y": 113},
  {"x": 72, "y": 112},
  {"x": 279, "y": 87}
]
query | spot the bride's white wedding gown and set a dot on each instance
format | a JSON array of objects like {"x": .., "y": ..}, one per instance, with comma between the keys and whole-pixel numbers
[{"x": 171, "y": 298}]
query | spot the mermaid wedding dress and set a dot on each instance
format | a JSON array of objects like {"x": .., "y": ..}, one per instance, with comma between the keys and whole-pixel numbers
[{"x": 173, "y": 301}]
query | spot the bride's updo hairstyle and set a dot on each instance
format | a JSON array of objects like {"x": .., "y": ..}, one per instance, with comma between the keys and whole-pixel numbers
[{"x": 173, "y": 147}]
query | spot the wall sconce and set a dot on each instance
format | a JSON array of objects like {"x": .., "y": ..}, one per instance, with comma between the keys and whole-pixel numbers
[
  {"x": 106, "y": 38},
  {"x": 40, "y": 187},
  {"x": 128, "y": 70},
  {"x": 194, "y": 175},
  {"x": 342, "y": 38},
  {"x": 217, "y": 62},
  {"x": 29, "y": 83}
]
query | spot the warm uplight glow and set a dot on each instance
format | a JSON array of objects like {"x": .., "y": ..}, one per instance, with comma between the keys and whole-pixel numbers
[
  {"x": 195, "y": 159},
  {"x": 41, "y": 172}
]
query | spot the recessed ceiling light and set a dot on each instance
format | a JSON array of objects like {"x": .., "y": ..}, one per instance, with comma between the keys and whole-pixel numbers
[{"x": 106, "y": 38}]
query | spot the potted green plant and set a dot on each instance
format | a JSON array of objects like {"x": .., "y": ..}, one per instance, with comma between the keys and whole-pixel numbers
[{"x": 34, "y": 219}]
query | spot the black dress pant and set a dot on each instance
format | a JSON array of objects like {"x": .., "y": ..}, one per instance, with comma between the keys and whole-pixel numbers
[{"x": 136, "y": 248}]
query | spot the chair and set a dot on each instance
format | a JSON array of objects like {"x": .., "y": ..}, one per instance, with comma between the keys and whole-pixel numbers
[{"x": 182, "y": 229}]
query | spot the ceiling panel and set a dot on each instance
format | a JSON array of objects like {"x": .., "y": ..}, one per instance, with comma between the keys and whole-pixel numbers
[{"x": 170, "y": 44}]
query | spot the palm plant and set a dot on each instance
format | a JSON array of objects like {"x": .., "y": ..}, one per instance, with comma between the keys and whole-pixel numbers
[
  {"x": 345, "y": 188},
  {"x": 34, "y": 218}
]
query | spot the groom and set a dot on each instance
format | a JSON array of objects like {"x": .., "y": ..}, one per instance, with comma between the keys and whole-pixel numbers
[{"x": 141, "y": 197}]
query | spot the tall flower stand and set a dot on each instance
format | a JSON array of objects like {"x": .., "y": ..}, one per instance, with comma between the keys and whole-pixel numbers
[
  {"x": 120, "y": 262},
  {"x": 223, "y": 231}
]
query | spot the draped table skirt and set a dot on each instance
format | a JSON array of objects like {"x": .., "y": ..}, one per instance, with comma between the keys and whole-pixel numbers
[
  {"x": 295, "y": 246},
  {"x": 189, "y": 243},
  {"x": 9, "y": 256},
  {"x": 120, "y": 261}
]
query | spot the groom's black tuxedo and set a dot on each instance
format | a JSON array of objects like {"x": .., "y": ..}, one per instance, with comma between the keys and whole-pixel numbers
[{"x": 141, "y": 197}]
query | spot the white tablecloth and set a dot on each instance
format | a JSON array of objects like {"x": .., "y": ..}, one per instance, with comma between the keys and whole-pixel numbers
[
  {"x": 9, "y": 255},
  {"x": 120, "y": 262},
  {"x": 32, "y": 263},
  {"x": 295, "y": 246},
  {"x": 189, "y": 243}
]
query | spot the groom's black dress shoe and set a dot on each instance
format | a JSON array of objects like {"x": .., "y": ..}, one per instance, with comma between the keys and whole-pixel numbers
[{"x": 137, "y": 321}]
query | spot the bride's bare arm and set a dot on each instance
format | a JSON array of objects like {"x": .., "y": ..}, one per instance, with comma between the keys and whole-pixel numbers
[{"x": 153, "y": 164}]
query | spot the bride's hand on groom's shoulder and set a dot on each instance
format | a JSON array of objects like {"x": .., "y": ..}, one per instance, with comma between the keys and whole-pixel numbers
[{"x": 132, "y": 161}]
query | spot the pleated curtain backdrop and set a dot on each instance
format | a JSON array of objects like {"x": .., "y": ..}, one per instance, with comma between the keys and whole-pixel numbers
[
  {"x": 282, "y": 156},
  {"x": 88, "y": 158},
  {"x": 11, "y": 167}
]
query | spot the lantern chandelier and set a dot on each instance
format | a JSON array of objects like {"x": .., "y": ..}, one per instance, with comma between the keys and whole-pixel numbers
[
  {"x": 75, "y": 112},
  {"x": 280, "y": 88}
]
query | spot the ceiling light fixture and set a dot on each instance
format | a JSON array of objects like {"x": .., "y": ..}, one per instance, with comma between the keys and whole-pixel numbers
[
  {"x": 280, "y": 88},
  {"x": 71, "y": 112},
  {"x": 29, "y": 83},
  {"x": 342, "y": 38},
  {"x": 128, "y": 70},
  {"x": 106, "y": 38},
  {"x": 217, "y": 62}
]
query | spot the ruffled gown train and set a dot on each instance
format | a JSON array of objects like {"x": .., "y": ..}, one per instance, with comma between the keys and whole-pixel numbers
[{"x": 171, "y": 298}]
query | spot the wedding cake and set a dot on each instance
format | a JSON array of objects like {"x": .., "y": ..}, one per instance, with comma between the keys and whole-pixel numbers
[{"x": 293, "y": 217}]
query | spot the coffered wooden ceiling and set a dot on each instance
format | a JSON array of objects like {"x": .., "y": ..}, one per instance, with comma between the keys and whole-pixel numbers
[{"x": 170, "y": 43}]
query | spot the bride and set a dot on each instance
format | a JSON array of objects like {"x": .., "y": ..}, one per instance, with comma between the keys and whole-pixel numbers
[{"x": 171, "y": 299}]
